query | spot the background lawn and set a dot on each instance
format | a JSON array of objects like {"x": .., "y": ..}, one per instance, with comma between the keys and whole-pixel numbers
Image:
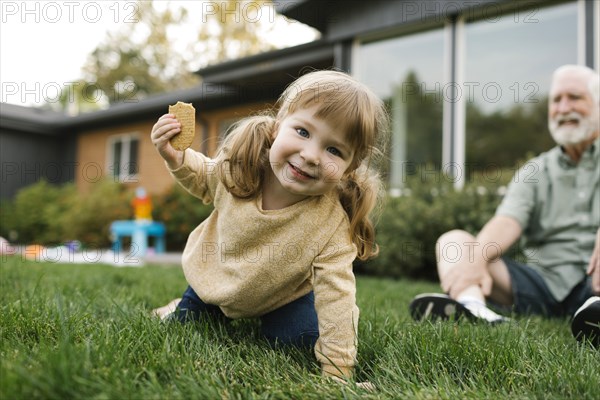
[{"x": 85, "y": 332}]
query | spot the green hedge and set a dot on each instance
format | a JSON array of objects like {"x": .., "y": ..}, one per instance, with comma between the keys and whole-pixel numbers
[
  {"x": 31, "y": 217},
  {"x": 181, "y": 213},
  {"x": 89, "y": 216},
  {"x": 51, "y": 215},
  {"x": 409, "y": 225},
  {"x": 407, "y": 228}
]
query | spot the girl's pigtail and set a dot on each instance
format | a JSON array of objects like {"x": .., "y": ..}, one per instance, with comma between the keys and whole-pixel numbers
[
  {"x": 244, "y": 155},
  {"x": 359, "y": 194}
]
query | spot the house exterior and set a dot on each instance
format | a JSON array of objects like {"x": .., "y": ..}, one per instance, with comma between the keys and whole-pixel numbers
[
  {"x": 455, "y": 75},
  {"x": 39, "y": 144}
]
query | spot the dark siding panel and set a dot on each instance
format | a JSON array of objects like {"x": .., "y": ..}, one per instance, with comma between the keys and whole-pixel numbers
[{"x": 27, "y": 158}]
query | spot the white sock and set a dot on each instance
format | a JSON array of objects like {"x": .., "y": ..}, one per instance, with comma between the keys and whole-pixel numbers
[
  {"x": 479, "y": 308},
  {"x": 468, "y": 299}
]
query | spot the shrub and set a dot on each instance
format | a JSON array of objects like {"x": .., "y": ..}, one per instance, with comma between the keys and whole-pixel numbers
[
  {"x": 181, "y": 213},
  {"x": 33, "y": 216},
  {"x": 410, "y": 225},
  {"x": 50, "y": 215},
  {"x": 54, "y": 215},
  {"x": 88, "y": 217}
]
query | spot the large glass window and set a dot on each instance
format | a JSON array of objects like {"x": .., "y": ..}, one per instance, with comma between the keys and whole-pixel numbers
[
  {"x": 406, "y": 72},
  {"x": 508, "y": 68}
]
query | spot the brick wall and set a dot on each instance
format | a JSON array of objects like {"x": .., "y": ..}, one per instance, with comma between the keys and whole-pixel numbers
[{"x": 93, "y": 147}]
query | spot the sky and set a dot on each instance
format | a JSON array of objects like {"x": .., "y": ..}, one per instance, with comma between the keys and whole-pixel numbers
[{"x": 44, "y": 44}]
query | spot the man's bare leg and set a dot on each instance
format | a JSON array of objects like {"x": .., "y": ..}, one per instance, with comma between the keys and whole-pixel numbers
[{"x": 457, "y": 246}]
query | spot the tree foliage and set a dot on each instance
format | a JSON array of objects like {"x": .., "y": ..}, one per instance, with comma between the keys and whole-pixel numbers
[
  {"x": 498, "y": 139},
  {"x": 143, "y": 58},
  {"x": 494, "y": 141},
  {"x": 77, "y": 97},
  {"x": 233, "y": 29},
  {"x": 138, "y": 59},
  {"x": 424, "y": 111}
]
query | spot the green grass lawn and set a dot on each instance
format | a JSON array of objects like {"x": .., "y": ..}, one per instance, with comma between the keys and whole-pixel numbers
[{"x": 85, "y": 332}]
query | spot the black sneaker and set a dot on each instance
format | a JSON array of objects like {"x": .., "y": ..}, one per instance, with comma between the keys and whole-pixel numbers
[
  {"x": 437, "y": 306},
  {"x": 441, "y": 306},
  {"x": 586, "y": 322}
]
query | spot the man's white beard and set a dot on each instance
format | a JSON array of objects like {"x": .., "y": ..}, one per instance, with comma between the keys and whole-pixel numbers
[{"x": 568, "y": 134}]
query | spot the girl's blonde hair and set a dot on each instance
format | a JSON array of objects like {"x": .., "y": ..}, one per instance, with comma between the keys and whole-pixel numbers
[{"x": 342, "y": 102}]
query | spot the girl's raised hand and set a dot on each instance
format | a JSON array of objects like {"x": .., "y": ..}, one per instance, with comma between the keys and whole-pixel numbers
[{"x": 163, "y": 130}]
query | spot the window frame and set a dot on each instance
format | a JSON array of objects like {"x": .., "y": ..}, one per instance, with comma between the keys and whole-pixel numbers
[
  {"x": 125, "y": 139},
  {"x": 455, "y": 113}
]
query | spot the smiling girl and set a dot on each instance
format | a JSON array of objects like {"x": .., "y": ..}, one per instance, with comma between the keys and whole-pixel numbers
[{"x": 292, "y": 199}]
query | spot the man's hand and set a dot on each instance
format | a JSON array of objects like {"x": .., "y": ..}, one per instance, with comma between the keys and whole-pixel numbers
[
  {"x": 593, "y": 268},
  {"x": 472, "y": 266},
  {"x": 462, "y": 276}
]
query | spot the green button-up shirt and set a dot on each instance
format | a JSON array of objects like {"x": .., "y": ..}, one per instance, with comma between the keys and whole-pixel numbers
[{"x": 557, "y": 203}]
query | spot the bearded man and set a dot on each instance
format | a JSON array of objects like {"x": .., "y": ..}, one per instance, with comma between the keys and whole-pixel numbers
[{"x": 553, "y": 205}]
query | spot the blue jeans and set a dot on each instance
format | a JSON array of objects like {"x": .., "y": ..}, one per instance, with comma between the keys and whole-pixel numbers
[
  {"x": 294, "y": 324},
  {"x": 532, "y": 296}
]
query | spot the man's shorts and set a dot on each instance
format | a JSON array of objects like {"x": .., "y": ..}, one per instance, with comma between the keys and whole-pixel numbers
[{"x": 531, "y": 295}]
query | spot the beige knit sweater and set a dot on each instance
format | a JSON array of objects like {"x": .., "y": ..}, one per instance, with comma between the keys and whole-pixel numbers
[{"x": 250, "y": 261}]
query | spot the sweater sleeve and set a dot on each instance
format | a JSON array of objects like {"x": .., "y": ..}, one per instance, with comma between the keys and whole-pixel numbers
[
  {"x": 197, "y": 175},
  {"x": 335, "y": 302}
]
